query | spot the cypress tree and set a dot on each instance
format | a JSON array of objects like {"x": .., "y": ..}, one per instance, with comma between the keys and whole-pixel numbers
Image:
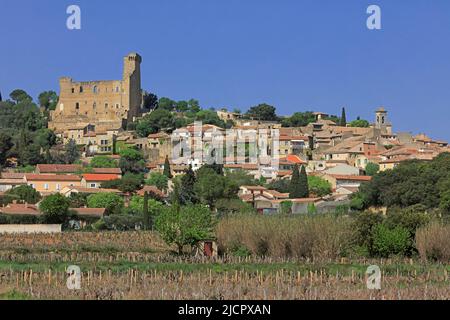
[
  {"x": 146, "y": 214},
  {"x": 303, "y": 184},
  {"x": 293, "y": 187},
  {"x": 343, "y": 118},
  {"x": 167, "y": 172},
  {"x": 187, "y": 193}
]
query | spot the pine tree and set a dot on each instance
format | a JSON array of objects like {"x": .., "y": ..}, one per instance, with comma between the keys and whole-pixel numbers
[
  {"x": 343, "y": 121},
  {"x": 167, "y": 172},
  {"x": 303, "y": 184}
]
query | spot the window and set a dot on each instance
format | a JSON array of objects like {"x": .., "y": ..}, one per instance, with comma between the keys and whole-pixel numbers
[
  {"x": 46, "y": 186},
  {"x": 93, "y": 185},
  {"x": 94, "y": 106},
  {"x": 77, "y": 106},
  {"x": 58, "y": 186},
  {"x": 117, "y": 89},
  {"x": 73, "y": 90},
  {"x": 106, "y": 105},
  {"x": 95, "y": 89},
  {"x": 81, "y": 89}
]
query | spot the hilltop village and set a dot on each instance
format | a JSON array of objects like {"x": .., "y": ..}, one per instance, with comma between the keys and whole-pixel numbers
[{"x": 112, "y": 137}]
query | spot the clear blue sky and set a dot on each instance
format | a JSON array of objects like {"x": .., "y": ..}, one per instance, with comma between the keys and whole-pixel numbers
[{"x": 297, "y": 55}]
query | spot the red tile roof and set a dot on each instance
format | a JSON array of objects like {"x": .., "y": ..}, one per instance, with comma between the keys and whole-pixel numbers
[
  {"x": 348, "y": 177},
  {"x": 107, "y": 170},
  {"x": 99, "y": 177},
  {"x": 151, "y": 189},
  {"x": 51, "y": 177},
  {"x": 58, "y": 168},
  {"x": 20, "y": 209},
  {"x": 12, "y": 175}
]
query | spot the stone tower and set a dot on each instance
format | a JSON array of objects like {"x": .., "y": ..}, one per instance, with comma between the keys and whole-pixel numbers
[
  {"x": 381, "y": 121},
  {"x": 132, "y": 83}
]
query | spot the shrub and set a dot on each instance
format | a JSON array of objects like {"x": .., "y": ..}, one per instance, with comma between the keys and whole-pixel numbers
[
  {"x": 388, "y": 242},
  {"x": 363, "y": 226},
  {"x": 433, "y": 242},
  {"x": 316, "y": 237}
]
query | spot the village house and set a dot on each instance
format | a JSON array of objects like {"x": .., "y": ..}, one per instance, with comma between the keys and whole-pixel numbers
[
  {"x": 58, "y": 168},
  {"x": 68, "y": 191},
  {"x": 94, "y": 180},
  {"x": 338, "y": 181},
  {"x": 9, "y": 180},
  {"x": 51, "y": 183}
]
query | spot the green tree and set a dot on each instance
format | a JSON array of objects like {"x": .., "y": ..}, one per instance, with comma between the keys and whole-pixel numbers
[
  {"x": 131, "y": 160},
  {"x": 211, "y": 186},
  {"x": 20, "y": 96},
  {"x": 299, "y": 119},
  {"x": 359, "y": 123},
  {"x": 5, "y": 145},
  {"x": 210, "y": 117},
  {"x": 167, "y": 171},
  {"x": 55, "y": 208},
  {"x": 71, "y": 152},
  {"x": 158, "y": 180},
  {"x": 48, "y": 100},
  {"x": 299, "y": 184},
  {"x": 184, "y": 226},
  {"x": 103, "y": 162},
  {"x": 187, "y": 192},
  {"x": 166, "y": 104},
  {"x": 372, "y": 168},
  {"x": 78, "y": 200},
  {"x": 150, "y": 101},
  {"x": 154, "y": 122},
  {"x": 280, "y": 185},
  {"x": 112, "y": 202},
  {"x": 319, "y": 186},
  {"x": 25, "y": 194},
  {"x": 343, "y": 120},
  {"x": 45, "y": 138},
  {"x": 262, "y": 112}
]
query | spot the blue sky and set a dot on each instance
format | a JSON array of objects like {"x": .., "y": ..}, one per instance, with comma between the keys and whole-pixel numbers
[{"x": 297, "y": 55}]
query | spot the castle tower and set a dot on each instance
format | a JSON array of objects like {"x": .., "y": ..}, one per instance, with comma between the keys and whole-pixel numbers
[{"x": 132, "y": 83}]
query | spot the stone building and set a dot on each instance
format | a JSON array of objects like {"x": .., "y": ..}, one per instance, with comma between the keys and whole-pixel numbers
[{"x": 106, "y": 105}]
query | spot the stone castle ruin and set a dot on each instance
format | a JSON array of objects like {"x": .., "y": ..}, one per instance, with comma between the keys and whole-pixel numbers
[{"x": 105, "y": 105}]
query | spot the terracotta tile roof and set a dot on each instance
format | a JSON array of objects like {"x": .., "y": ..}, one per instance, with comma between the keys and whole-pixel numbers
[
  {"x": 12, "y": 181},
  {"x": 151, "y": 189},
  {"x": 254, "y": 188},
  {"x": 298, "y": 200},
  {"x": 282, "y": 173},
  {"x": 12, "y": 175},
  {"x": 91, "y": 190},
  {"x": 290, "y": 138},
  {"x": 158, "y": 135},
  {"x": 51, "y": 177},
  {"x": 277, "y": 194},
  {"x": 107, "y": 171},
  {"x": 20, "y": 209},
  {"x": 349, "y": 177},
  {"x": 243, "y": 166},
  {"x": 58, "y": 168},
  {"x": 99, "y": 177}
]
